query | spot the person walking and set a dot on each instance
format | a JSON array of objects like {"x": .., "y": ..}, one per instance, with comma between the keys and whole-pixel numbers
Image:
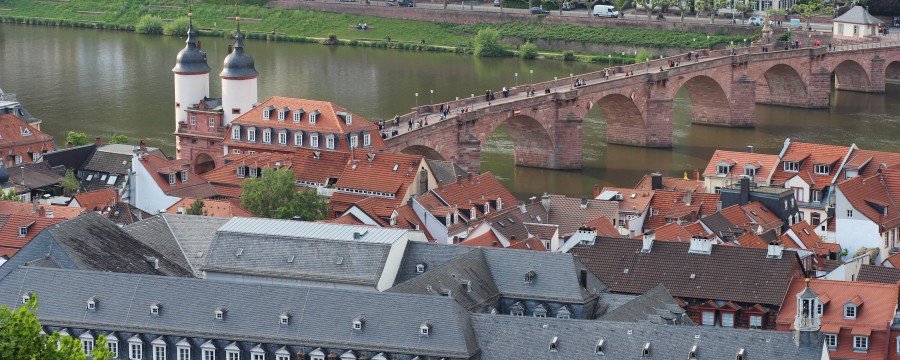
[{"x": 410, "y": 123}]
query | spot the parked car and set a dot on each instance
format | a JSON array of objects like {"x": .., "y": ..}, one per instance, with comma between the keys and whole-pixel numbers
[
  {"x": 568, "y": 6},
  {"x": 605, "y": 11},
  {"x": 756, "y": 20},
  {"x": 539, "y": 10},
  {"x": 407, "y": 3},
  {"x": 496, "y": 2}
]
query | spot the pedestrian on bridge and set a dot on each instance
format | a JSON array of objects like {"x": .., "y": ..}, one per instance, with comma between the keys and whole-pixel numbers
[{"x": 410, "y": 122}]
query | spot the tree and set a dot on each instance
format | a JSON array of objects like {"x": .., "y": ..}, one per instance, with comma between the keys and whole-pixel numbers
[
  {"x": 119, "y": 139},
  {"x": 620, "y": 6},
  {"x": 487, "y": 43},
  {"x": 807, "y": 10},
  {"x": 275, "y": 195},
  {"x": 101, "y": 352},
  {"x": 149, "y": 24},
  {"x": 196, "y": 208},
  {"x": 21, "y": 338},
  {"x": 681, "y": 5},
  {"x": 529, "y": 51},
  {"x": 712, "y": 6},
  {"x": 77, "y": 138},
  {"x": 178, "y": 27},
  {"x": 70, "y": 183},
  {"x": 9, "y": 194},
  {"x": 742, "y": 7},
  {"x": 650, "y": 5}
]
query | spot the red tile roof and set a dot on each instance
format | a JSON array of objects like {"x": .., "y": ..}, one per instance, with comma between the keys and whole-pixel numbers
[
  {"x": 228, "y": 175},
  {"x": 98, "y": 199},
  {"x": 810, "y": 241},
  {"x": 672, "y": 184},
  {"x": 632, "y": 200},
  {"x": 532, "y": 243},
  {"x": 488, "y": 239},
  {"x": 671, "y": 232},
  {"x": 407, "y": 219},
  {"x": 875, "y": 197},
  {"x": 808, "y": 155},
  {"x": 603, "y": 226},
  {"x": 20, "y": 208},
  {"x": 346, "y": 219},
  {"x": 869, "y": 161},
  {"x": 766, "y": 164},
  {"x": 159, "y": 168},
  {"x": 879, "y": 301},
  {"x": 477, "y": 189},
  {"x": 215, "y": 208},
  {"x": 11, "y": 223},
  {"x": 695, "y": 229},
  {"x": 19, "y": 138},
  {"x": 382, "y": 172},
  {"x": 664, "y": 201},
  {"x": 761, "y": 216},
  {"x": 313, "y": 166},
  {"x": 327, "y": 122},
  {"x": 752, "y": 240},
  {"x": 893, "y": 260}
]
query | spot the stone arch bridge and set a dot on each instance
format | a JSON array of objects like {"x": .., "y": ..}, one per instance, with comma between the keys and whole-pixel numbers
[{"x": 547, "y": 128}]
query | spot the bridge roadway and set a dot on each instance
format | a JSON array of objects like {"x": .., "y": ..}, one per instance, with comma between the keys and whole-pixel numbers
[{"x": 723, "y": 87}]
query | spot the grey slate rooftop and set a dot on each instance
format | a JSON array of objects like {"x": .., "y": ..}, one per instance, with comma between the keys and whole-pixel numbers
[
  {"x": 446, "y": 172},
  {"x": 858, "y": 15},
  {"x": 656, "y": 306},
  {"x": 312, "y": 230},
  {"x": 570, "y": 214},
  {"x": 878, "y": 274},
  {"x": 519, "y": 337},
  {"x": 429, "y": 254},
  {"x": 317, "y": 316},
  {"x": 183, "y": 238}
]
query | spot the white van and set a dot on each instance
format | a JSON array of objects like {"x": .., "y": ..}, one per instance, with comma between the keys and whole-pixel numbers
[{"x": 605, "y": 11}]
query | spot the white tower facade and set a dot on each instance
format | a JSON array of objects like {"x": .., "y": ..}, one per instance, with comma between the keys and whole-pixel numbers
[
  {"x": 239, "y": 89},
  {"x": 191, "y": 76}
]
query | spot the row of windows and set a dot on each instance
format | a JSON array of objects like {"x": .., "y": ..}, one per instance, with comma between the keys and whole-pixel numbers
[
  {"x": 860, "y": 343},
  {"x": 708, "y": 318},
  {"x": 184, "y": 177},
  {"x": 298, "y": 115},
  {"x": 211, "y": 122},
  {"x": 298, "y": 138},
  {"x": 725, "y": 169}
]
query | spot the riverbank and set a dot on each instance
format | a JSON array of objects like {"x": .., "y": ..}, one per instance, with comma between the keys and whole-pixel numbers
[{"x": 314, "y": 26}]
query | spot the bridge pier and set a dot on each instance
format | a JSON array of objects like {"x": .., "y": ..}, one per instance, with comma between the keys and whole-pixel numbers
[
  {"x": 655, "y": 131},
  {"x": 569, "y": 143},
  {"x": 468, "y": 155},
  {"x": 739, "y": 111}
]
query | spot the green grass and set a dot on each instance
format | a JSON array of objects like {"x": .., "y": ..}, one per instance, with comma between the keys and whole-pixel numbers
[{"x": 301, "y": 25}]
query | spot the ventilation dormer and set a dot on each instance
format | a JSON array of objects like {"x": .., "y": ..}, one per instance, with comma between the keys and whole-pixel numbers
[
  {"x": 92, "y": 303},
  {"x": 420, "y": 268},
  {"x": 693, "y": 353},
  {"x": 741, "y": 355},
  {"x": 529, "y": 276},
  {"x": 219, "y": 313},
  {"x": 26, "y": 298},
  {"x": 155, "y": 308},
  {"x": 283, "y": 113},
  {"x": 267, "y": 112},
  {"x": 358, "y": 322},
  {"x": 600, "y": 347},
  {"x": 313, "y": 116},
  {"x": 645, "y": 351},
  {"x": 554, "y": 344},
  {"x": 284, "y": 318},
  {"x": 425, "y": 328}
]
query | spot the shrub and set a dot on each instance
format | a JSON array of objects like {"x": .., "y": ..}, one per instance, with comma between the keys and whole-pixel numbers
[
  {"x": 568, "y": 55},
  {"x": 487, "y": 43},
  {"x": 643, "y": 55},
  {"x": 179, "y": 27},
  {"x": 529, "y": 51},
  {"x": 149, "y": 24},
  {"x": 785, "y": 37}
]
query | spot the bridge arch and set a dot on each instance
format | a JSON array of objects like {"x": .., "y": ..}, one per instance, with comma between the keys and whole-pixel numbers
[
  {"x": 625, "y": 123},
  {"x": 850, "y": 75},
  {"x": 531, "y": 141},
  {"x": 203, "y": 163},
  {"x": 892, "y": 71},
  {"x": 781, "y": 84},
  {"x": 425, "y": 151},
  {"x": 709, "y": 101}
]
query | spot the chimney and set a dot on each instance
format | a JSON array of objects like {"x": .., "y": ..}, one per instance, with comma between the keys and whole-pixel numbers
[
  {"x": 656, "y": 181},
  {"x": 69, "y": 145},
  {"x": 648, "y": 241},
  {"x": 97, "y": 141},
  {"x": 582, "y": 278},
  {"x": 745, "y": 191},
  {"x": 750, "y": 149},
  {"x": 596, "y": 191},
  {"x": 34, "y": 206},
  {"x": 584, "y": 203},
  {"x": 696, "y": 175},
  {"x": 718, "y": 206},
  {"x": 143, "y": 146},
  {"x": 775, "y": 251},
  {"x": 522, "y": 207},
  {"x": 545, "y": 200},
  {"x": 181, "y": 209},
  {"x": 687, "y": 197},
  {"x": 700, "y": 245},
  {"x": 471, "y": 178}
]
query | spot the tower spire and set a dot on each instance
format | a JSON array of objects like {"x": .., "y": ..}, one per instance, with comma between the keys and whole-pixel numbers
[
  {"x": 191, "y": 34},
  {"x": 238, "y": 36}
]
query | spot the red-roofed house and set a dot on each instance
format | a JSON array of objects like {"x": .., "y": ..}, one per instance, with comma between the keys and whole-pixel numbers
[
  {"x": 634, "y": 206},
  {"x": 678, "y": 207},
  {"x": 727, "y": 167},
  {"x": 21, "y": 143},
  {"x": 656, "y": 181},
  {"x": 868, "y": 162},
  {"x": 811, "y": 171},
  {"x": 160, "y": 182},
  {"x": 96, "y": 200},
  {"x": 217, "y": 208},
  {"x": 16, "y": 230},
  {"x": 49, "y": 211},
  {"x": 854, "y": 317},
  {"x": 867, "y": 213}
]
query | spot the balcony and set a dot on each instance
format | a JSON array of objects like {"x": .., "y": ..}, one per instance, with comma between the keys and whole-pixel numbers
[{"x": 807, "y": 323}]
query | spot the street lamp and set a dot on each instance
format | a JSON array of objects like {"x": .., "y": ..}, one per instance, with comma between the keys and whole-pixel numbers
[
  {"x": 609, "y": 61},
  {"x": 417, "y": 99},
  {"x": 517, "y": 79},
  {"x": 432, "y": 96},
  {"x": 623, "y": 58},
  {"x": 708, "y": 46},
  {"x": 745, "y": 42},
  {"x": 532, "y": 76}
]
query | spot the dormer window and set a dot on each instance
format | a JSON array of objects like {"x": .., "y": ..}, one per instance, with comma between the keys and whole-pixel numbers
[
  {"x": 266, "y": 114},
  {"x": 193, "y": 120},
  {"x": 297, "y": 115},
  {"x": 253, "y": 172},
  {"x": 599, "y": 348},
  {"x": 184, "y": 176},
  {"x": 23, "y": 230},
  {"x": 554, "y": 344},
  {"x": 540, "y": 311},
  {"x": 529, "y": 277},
  {"x": 850, "y": 311},
  {"x": 822, "y": 169},
  {"x": 722, "y": 169},
  {"x": 860, "y": 343},
  {"x": 791, "y": 166},
  {"x": 313, "y": 116},
  {"x": 750, "y": 171},
  {"x": 241, "y": 171},
  {"x": 329, "y": 142},
  {"x": 425, "y": 328},
  {"x": 367, "y": 140},
  {"x": 155, "y": 308},
  {"x": 267, "y": 136},
  {"x": 359, "y": 321},
  {"x": 420, "y": 268},
  {"x": 26, "y": 298},
  {"x": 298, "y": 139},
  {"x": 92, "y": 303},
  {"x": 281, "y": 115},
  {"x": 172, "y": 179},
  {"x": 314, "y": 140},
  {"x": 282, "y": 137},
  {"x": 219, "y": 314},
  {"x": 26, "y": 132},
  {"x": 354, "y": 141},
  {"x": 563, "y": 313},
  {"x": 517, "y": 309},
  {"x": 284, "y": 319},
  {"x": 831, "y": 340},
  {"x": 236, "y": 133},
  {"x": 646, "y": 350},
  {"x": 251, "y": 134}
]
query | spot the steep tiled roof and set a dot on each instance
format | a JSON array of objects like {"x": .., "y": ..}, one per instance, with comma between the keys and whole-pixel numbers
[
  {"x": 487, "y": 239},
  {"x": 477, "y": 189},
  {"x": 159, "y": 167},
  {"x": 877, "y": 303},
  {"x": 766, "y": 164},
  {"x": 868, "y": 162},
  {"x": 19, "y": 138},
  {"x": 728, "y": 273},
  {"x": 511, "y": 220},
  {"x": 672, "y": 184},
  {"x": 112, "y": 159},
  {"x": 808, "y": 155},
  {"x": 216, "y": 208},
  {"x": 392, "y": 321},
  {"x": 669, "y": 232},
  {"x": 34, "y": 176},
  {"x": 603, "y": 226},
  {"x": 318, "y": 166},
  {"x": 431, "y": 255},
  {"x": 656, "y": 306},
  {"x": 70, "y": 158},
  {"x": 569, "y": 214},
  {"x": 542, "y": 231},
  {"x": 752, "y": 240},
  {"x": 16, "y": 207},
  {"x": 98, "y": 199},
  {"x": 664, "y": 201},
  {"x": 878, "y": 274},
  {"x": 858, "y": 15},
  {"x": 327, "y": 122},
  {"x": 122, "y": 213},
  {"x": 761, "y": 216},
  {"x": 809, "y": 240},
  {"x": 528, "y": 244},
  {"x": 228, "y": 174},
  {"x": 378, "y": 209},
  {"x": 523, "y": 337},
  {"x": 10, "y": 225},
  {"x": 892, "y": 261},
  {"x": 632, "y": 200},
  {"x": 407, "y": 219},
  {"x": 876, "y": 197},
  {"x": 380, "y": 172}
]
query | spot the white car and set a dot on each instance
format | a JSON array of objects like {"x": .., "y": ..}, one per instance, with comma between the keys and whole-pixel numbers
[{"x": 756, "y": 20}]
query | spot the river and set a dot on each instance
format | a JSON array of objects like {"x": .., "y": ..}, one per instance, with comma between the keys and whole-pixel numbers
[{"x": 105, "y": 82}]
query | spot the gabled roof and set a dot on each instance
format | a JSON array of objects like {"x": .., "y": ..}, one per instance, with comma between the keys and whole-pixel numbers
[
  {"x": 808, "y": 154},
  {"x": 761, "y": 216},
  {"x": 34, "y": 176},
  {"x": 487, "y": 239},
  {"x": 112, "y": 159},
  {"x": 318, "y": 166},
  {"x": 568, "y": 213},
  {"x": 510, "y": 221},
  {"x": 16, "y": 207},
  {"x": 892, "y": 261},
  {"x": 672, "y": 184},
  {"x": 721, "y": 227},
  {"x": 522, "y": 337},
  {"x": 228, "y": 173},
  {"x": 383, "y": 172},
  {"x": 876, "y": 313},
  {"x": 532, "y": 243},
  {"x": 728, "y": 273},
  {"x": 159, "y": 169},
  {"x": 429, "y": 254},
  {"x": 122, "y": 213},
  {"x": 475, "y": 190},
  {"x": 858, "y": 15},
  {"x": 10, "y": 226},
  {"x": 603, "y": 226},
  {"x": 664, "y": 201},
  {"x": 765, "y": 164},
  {"x": 97, "y": 200},
  {"x": 16, "y": 132},
  {"x": 466, "y": 279},
  {"x": 808, "y": 239},
  {"x": 543, "y": 231},
  {"x": 868, "y": 162},
  {"x": 878, "y": 274},
  {"x": 876, "y": 197},
  {"x": 70, "y": 158},
  {"x": 632, "y": 200},
  {"x": 392, "y": 320},
  {"x": 656, "y": 306},
  {"x": 445, "y": 172},
  {"x": 669, "y": 232},
  {"x": 183, "y": 238},
  {"x": 217, "y": 208}
]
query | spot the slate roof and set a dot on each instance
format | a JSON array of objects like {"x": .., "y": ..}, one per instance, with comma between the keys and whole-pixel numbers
[
  {"x": 519, "y": 337},
  {"x": 510, "y": 221},
  {"x": 34, "y": 176},
  {"x": 858, "y": 15},
  {"x": 122, "y": 213},
  {"x": 318, "y": 316},
  {"x": 429, "y": 254},
  {"x": 878, "y": 274},
  {"x": 656, "y": 306},
  {"x": 312, "y": 230},
  {"x": 449, "y": 279},
  {"x": 111, "y": 159},
  {"x": 183, "y": 238},
  {"x": 445, "y": 171},
  {"x": 70, "y": 158},
  {"x": 721, "y": 227},
  {"x": 728, "y": 273},
  {"x": 569, "y": 215}
]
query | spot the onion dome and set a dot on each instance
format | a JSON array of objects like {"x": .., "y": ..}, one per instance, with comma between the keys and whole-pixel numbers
[
  {"x": 191, "y": 60},
  {"x": 238, "y": 64}
]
